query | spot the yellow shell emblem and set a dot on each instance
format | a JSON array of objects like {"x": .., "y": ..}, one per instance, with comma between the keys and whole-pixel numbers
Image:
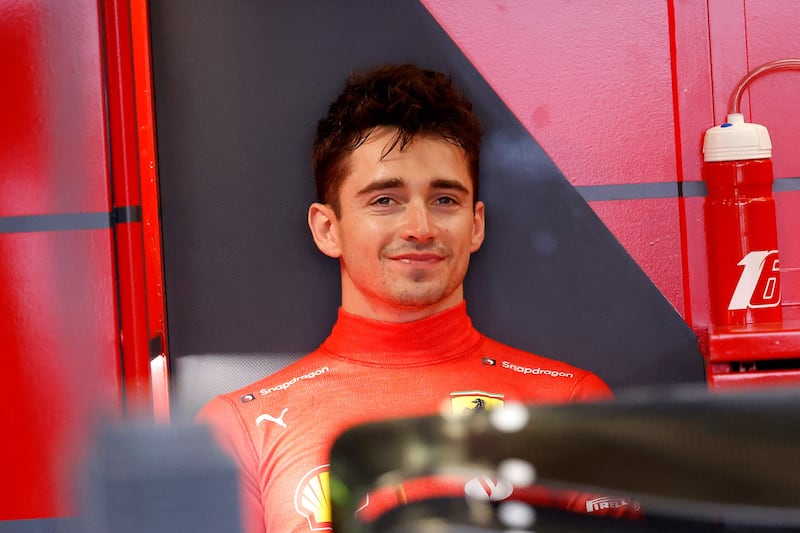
[{"x": 312, "y": 498}]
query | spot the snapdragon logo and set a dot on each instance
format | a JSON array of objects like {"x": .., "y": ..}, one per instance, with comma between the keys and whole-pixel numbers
[
  {"x": 286, "y": 385},
  {"x": 537, "y": 371}
]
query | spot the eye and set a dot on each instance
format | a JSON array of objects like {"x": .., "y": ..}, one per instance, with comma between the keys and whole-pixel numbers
[
  {"x": 446, "y": 200},
  {"x": 383, "y": 200}
]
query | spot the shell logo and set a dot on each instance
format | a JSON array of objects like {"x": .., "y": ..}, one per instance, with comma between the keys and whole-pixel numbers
[{"x": 312, "y": 498}]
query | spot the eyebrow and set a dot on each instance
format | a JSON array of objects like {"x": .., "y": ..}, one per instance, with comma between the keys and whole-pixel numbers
[
  {"x": 396, "y": 183},
  {"x": 443, "y": 183},
  {"x": 381, "y": 185}
]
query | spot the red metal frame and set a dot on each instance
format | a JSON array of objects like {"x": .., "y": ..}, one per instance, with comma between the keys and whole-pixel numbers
[
  {"x": 133, "y": 177},
  {"x": 154, "y": 270}
]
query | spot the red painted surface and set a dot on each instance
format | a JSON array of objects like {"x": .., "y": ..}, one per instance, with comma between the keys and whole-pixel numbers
[
  {"x": 772, "y": 34},
  {"x": 727, "y": 36},
  {"x": 51, "y": 83},
  {"x": 787, "y": 207},
  {"x": 757, "y": 32},
  {"x": 692, "y": 83},
  {"x": 752, "y": 380},
  {"x": 58, "y": 333},
  {"x": 744, "y": 36},
  {"x": 625, "y": 95},
  {"x": 59, "y": 366},
  {"x": 658, "y": 234},
  {"x": 154, "y": 276},
  {"x": 594, "y": 87},
  {"x": 745, "y": 343},
  {"x": 693, "y": 110},
  {"x": 591, "y": 84},
  {"x": 767, "y": 31},
  {"x": 123, "y": 139},
  {"x": 696, "y": 262}
]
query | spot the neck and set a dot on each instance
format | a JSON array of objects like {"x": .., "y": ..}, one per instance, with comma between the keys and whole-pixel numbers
[{"x": 356, "y": 303}]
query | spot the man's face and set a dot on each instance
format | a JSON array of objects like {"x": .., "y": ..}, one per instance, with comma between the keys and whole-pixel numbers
[{"x": 406, "y": 228}]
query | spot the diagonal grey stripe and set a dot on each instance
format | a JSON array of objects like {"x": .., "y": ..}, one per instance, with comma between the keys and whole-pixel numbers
[{"x": 59, "y": 222}]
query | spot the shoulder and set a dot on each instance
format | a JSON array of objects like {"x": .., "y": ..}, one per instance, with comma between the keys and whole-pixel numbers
[
  {"x": 297, "y": 375},
  {"x": 561, "y": 380},
  {"x": 525, "y": 362},
  {"x": 234, "y": 416}
]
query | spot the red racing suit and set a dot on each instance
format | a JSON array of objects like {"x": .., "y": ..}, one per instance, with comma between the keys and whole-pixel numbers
[{"x": 281, "y": 428}]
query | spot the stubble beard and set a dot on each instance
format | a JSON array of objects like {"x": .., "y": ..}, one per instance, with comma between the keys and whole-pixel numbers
[
  {"x": 419, "y": 288},
  {"x": 418, "y": 296}
]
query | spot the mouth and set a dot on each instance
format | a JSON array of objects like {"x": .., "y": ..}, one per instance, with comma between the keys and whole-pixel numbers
[{"x": 417, "y": 258}]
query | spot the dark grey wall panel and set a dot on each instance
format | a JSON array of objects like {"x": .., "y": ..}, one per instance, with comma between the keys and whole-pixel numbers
[{"x": 239, "y": 87}]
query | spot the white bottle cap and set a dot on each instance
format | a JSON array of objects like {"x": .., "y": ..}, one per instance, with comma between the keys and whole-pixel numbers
[{"x": 736, "y": 140}]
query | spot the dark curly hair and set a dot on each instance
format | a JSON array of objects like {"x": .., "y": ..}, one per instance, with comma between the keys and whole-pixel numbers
[{"x": 414, "y": 100}]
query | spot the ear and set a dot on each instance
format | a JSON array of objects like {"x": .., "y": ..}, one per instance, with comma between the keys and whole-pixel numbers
[
  {"x": 478, "y": 226},
  {"x": 323, "y": 224}
]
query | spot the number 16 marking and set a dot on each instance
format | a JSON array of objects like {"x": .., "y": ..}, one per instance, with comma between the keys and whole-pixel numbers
[{"x": 758, "y": 285}]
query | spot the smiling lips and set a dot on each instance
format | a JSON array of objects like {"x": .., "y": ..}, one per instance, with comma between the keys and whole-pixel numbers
[{"x": 417, "y": 258}]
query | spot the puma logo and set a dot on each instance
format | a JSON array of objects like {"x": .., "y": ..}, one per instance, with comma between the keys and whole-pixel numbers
[{"x": 269, "y": 418}]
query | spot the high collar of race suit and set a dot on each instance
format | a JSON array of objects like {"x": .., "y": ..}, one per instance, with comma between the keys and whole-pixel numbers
[{"x": 445, "y": 335}]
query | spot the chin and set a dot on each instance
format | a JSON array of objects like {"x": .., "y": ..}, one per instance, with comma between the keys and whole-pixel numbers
[{"x": 420, "y": 298}]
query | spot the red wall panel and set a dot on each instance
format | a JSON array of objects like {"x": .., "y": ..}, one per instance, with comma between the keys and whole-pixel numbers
[
  {"x": 58, "y": 333},
  {"x": 694, "y": 111},
  {"x": 593, "y": 85},
  {"x": 745, "y": 35},
  {"x": 727, "y": 41},
  {"x": 151, "y": 222},
  {"x": 772, "y": 34},
  {"x": 624, "y": 95},
  {"x": 658, "y": 244},
  {"x": 787, "y": 207},
  {"x": 59, "y": 370},
  {"x": 771, "y": 29},
  {"x": 52, "y": 136}
]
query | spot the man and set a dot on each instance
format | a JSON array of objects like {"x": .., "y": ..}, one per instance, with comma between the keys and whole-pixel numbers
[{"x": 396, "y": 167}]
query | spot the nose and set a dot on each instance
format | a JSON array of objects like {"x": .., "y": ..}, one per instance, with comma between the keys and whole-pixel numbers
[{"x": 418, "y": 225}]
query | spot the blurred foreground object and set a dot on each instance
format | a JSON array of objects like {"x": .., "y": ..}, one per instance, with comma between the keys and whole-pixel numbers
[
  {"x": 690, "y": 459},
  {"x": 154, "y": 479}
]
